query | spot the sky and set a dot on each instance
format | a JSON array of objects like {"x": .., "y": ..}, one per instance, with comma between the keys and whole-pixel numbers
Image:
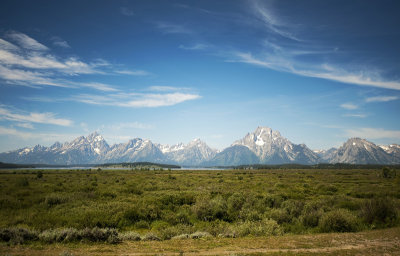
[{"x": 319, "y": 72}]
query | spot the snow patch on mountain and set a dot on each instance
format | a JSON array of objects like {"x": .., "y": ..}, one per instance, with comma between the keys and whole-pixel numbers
[{"x": 263, "y": 146}]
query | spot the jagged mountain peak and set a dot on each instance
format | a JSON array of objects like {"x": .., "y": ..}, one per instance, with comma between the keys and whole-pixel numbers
[
  {"x": 56, "y": 145},
  {"x": 357, "y": 150},
  {"x": 390, "y": 148},
  {"x": 264, "y": 146},
  {"x": 358, "y": 141},
  {"x": 263, "y": 136},
  {"x": 196, "y": 142},
  {"x": 266, "y": 131},
  {"x": 193, "y": 153},
  {"x": 271, "y": 147},
  {"x": 95, "y": 136}
]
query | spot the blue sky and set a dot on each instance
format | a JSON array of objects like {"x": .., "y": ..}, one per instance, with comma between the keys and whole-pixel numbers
[{"x": 171, "y": 71}]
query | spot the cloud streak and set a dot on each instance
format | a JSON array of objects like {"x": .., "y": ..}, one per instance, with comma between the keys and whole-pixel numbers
[
  {"x": 35, "y": 66},
  {"x": 271, "y": 21},
  {"x": 46, "y": 137},
  {"x": 14, "y": 132},
  {"x": 133, "y": 72},
  {"x": 288, "y": 64},
  {"x": 356, "y": 115},
  {"x": 381, "y": 99},
  {"x": 26, "y": 42},
  {"x": 194, "y": 47},
  {"x": 136, "y": 100},
  {"x": 170, "y": 28},
  {"x": 59, "y": 42},
  {"x": 349, "y": 106},
  {"x": 373, "y": 133},
  {"x": 33, "y": 117},
  {"x": 292, "y": 55},
  {"x": 159, "y": 88}
]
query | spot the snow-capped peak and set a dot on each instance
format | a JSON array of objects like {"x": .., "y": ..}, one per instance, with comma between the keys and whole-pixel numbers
[
  {"x": 94, "y": 137},
  {"x": 392, "y": 148},
  {"x": 270, "y": 146},
  {"x": 264, "y": 144}
]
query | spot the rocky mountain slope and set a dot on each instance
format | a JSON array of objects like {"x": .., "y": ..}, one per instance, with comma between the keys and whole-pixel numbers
[
  {"x": 194, "y": 153},
  {"x": 361, "y": 151},
  {"x": 263, "y": 146},
  {"x": 272, "y": 148}
]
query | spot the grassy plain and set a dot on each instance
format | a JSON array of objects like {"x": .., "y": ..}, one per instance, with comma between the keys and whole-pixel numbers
[
  {"x": 253, "y": 212},
  {"x": 376, "y": 242}
]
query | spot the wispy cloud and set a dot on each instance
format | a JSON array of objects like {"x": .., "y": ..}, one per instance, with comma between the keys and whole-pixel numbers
[
  {"x": 170, "y": 28},
  {"x": 25, "y": 125},
  {"x": 8, "y": 46},
  {"x": 26, "y": 42},
  {"x": 126, "y": 11},
  {"x": 35, "y": 66},
  {"x": 137, "y": 100},
  {"x": 157, "y": 96},
  {"x": 349, "y": 106},
  {"x": 292, "y": 53},
  {"x": 287, "y": 63},
  {"x": 133, "y": 72},
  {"x": 271, "y": 21},
  {"x": 58, "y": 41},
  {"x": 194, "y": 47},
  {"x": 32, "y": 117},
  {"x": 27, "y": 78},
  {"x": 381, "y": 98},
  {"x": 98, "y": 86},
  {"x": 159, "y": 88},
  {"x": 14, "y": 132},
  {"x": 44, "y": 137},
  {"x": 373, "y": 133},
  {"x": 355, "y": 115}
]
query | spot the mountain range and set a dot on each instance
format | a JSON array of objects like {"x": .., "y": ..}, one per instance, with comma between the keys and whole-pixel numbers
[{"x": 263, "y": 146}]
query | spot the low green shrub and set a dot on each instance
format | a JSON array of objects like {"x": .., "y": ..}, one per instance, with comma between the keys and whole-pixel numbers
[
  {"x": 55, "y": 199},
  {"x": 97, "y": 234},
  {"x": 273, "y": 201},
  {"x": 279, "y": 215},
  {"x": 151, "y": 237},
  {"x": 338, "y": 220},
  {"x": 207, "y": 209},
  {"x": 388, "y": 173},
  {"x": 180, "y": 237},
  {"x": 17, "y": 235},
  {"x": 39, "y": 174},
  {"x": 130, "y": 236},
  {"x": 265, "y": 227},
  {"x": 22, "y": 182},
  {"x": 172, "y": 231},
  {"x": 311, "y": 215},
  {"x": 60, "y": 235},
  {"x": 200, "y": 234},
  {"x": 379, "y": 211}
]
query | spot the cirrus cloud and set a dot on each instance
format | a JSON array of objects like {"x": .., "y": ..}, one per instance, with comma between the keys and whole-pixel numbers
[
  {"x": 373, "y": 133},
  {"x": 32, "y": 117},
  {"x": 381, "y": 98},
  {"x": 137, "y": 100}
]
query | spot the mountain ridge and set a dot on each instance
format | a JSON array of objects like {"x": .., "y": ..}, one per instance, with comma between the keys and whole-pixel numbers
[{"x": 263, "y": 146}]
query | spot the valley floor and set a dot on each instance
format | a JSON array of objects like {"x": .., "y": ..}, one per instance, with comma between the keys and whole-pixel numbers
[{"x": 376, "y": 242}]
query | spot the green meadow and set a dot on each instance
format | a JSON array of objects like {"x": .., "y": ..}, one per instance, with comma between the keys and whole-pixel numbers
[{"x": 113, "y": 206}]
